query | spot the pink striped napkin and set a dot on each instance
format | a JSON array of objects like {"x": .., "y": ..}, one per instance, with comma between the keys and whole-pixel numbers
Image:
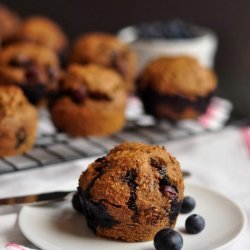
[
  {"x": 14, "y": 246},
  {"x": 245, "y": 133}
]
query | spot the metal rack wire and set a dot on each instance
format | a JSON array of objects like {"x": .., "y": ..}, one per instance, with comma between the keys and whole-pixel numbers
[{"x": 52, "y": 147}]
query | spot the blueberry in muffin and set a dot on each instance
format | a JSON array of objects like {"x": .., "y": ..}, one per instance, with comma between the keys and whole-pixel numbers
[
  {"x": 106, "y": 50},
  {"x": 18, "y": 122},
  {"x": 132, "y": 193},
  {"x": 176, "y": 87},
  {"x": 34, "y": 68},
  {"x": 90, "y": 100}
]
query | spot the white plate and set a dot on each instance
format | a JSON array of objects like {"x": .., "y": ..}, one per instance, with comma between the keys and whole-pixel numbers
[{"x": 58, "y": 226}]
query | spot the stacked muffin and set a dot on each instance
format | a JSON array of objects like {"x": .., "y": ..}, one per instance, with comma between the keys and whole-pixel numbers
[
  {"x": 88, "y": 97},
  {"x": 10, "y": 23},
  {"x": 92, "y": 95},
  {"x": 34, "y": 68},
  {"x": 43, "y": 31},
  {"x": 90, "y": 100},
  {"x": 29, "y": 70},
  {"x": 108, "y": 51},
  {"x": 176, "y": 87},
  {"x": 18, "y": 122}
]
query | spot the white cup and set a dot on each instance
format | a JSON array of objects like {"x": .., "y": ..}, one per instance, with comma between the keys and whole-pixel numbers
[{"x": 203, "y": 47}]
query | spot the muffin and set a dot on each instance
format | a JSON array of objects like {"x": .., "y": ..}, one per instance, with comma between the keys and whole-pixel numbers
[
  {"x": 108, "y": 51},
  {"x": 90, "y": 101},
  {"x": 32, "y": 67},
  {"x": 18, "y": 122},
  {"x": 10, "y": 22},
  {"x": 43, "y": 31},
  {"x": 176, "y": 87},
  {"x": 132, "y": 193}
]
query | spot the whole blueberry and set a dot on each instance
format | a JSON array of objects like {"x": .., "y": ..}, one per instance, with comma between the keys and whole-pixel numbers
[
  {"x": 76, "y": 202},
  {"x": 32, "y": 74},
  {"x": 168, "y": 239},
  {"x": 194, "y": 224},
  {"x": 188, "y": 205}
]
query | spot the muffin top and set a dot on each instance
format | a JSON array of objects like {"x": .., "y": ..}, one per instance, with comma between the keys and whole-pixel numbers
[
  {"x": 24, "y": 62},
  {"x": 43, "y": 31},
  {"x": 91, "y": 81},
  {"x": 9, "y": 23},
  {"x": 106, "y": 50},
  {"x": 137, "y": 183},
  {"x": 181, "y": 75},
  {"x": 11, "y": 99}
]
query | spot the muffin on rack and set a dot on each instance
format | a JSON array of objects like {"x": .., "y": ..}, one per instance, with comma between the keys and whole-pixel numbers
[
  {"x": 90, "y": 100},
  {"x": 106, "y": 50},
  {"x": 43, "y": 31},
  {"x": 10, "y": 23},
  {"x": 132, "y": 193},
  {"x": 32, "y": 67},
  {"x": 176, "y": 87},
  {"x": 18, "y": 122}
]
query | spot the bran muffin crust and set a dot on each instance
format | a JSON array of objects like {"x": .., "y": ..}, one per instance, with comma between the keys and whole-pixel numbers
[
  {"x": 106, "y": 50},
  {"x": 32, "y": 67},
  {"x": 43, "y": 31},
  {"x": 132, "y": 193},
  {"x": 18, "y": 122},
  {"x": 91, "y": 101},
  {"x": 176, "y": 87},
  {"x": 181, "y": 75}
]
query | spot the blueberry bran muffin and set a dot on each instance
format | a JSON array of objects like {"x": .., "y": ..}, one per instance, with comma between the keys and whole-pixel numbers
[
  {"x": 106, "y": 50},
  {"x": 91, "y": 100},
  {"x": 176, "y": 87},
  {"x": 34, "y": 68},
  {"x": 43, "y": 31},
  {"x": 18, "y": 122},
  {"x": 10, "y": 23},
  {"x": 132, "y": 193}
]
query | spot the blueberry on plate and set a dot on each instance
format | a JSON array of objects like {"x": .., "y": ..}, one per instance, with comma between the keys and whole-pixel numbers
[
  {"x": 168, "y": 239},
  {"x": 194, "y": 224},
  {"x": 188, "y": 205},
  {"x": 76, "y": 202}
]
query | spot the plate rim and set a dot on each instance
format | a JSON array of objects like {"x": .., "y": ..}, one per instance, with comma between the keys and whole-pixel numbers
[
  {"x": 191, "y": 184},
  {"x": 236, "y": 205}
]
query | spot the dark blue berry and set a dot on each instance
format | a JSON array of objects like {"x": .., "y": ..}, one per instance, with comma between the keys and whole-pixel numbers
[
  {"x": 188, "y": 205},
  {"x": 173, "y": 29},
  {"x": 32, "y": 75},
  {"x": 150, "y": 30},
  {"x": 76, "y": 203},
  {"x": 21, "y": 137},
  {"x": 194, "y": 224},
  {"x": 78, "y": 94},
  {"x": 168, "y": 239},
  {"x": 169, "y": 191}
]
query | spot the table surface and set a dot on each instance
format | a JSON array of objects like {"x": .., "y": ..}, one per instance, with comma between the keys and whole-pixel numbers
[{"x": 220, "y": 161}]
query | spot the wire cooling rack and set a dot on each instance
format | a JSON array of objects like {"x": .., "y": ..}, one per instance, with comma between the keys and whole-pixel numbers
[{"x": 52, "y": 147}]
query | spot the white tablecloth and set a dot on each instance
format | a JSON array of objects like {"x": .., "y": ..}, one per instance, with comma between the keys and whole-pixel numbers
[{"x": 220, "y": 161}]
